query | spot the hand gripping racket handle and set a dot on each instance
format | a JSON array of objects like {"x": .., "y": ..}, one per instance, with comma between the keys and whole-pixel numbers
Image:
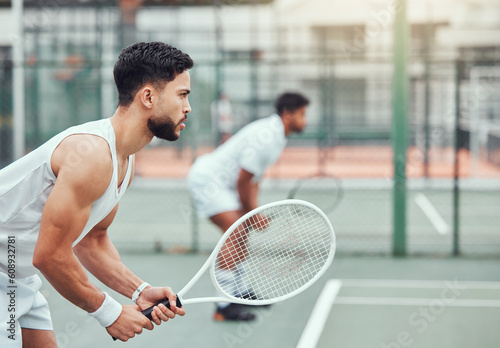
[{"x": 147, "y": 312}]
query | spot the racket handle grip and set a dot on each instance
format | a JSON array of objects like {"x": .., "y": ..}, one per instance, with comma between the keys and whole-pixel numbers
[{"x": 147, "y": 312}]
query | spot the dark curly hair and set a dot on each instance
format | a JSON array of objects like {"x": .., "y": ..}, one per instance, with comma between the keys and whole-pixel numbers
[
  {"x": 290, "y": 102},
  {"x": 147, "y": 62}
]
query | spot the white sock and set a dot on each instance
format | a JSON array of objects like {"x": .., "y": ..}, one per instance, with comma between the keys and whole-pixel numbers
[
  {"x": 242, "y": 279},
  {"x": 227, "y": 281}
]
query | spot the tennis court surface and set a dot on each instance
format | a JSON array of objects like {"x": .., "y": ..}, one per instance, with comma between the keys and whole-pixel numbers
[
  {"x": 365, "y": 302},
  {"x": 397, "y": 313}
]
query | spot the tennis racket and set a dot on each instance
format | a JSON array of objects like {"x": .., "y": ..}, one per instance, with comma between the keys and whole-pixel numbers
[
  {"x": 324, "y": 190},
  {"x": 286, "y": 246}
]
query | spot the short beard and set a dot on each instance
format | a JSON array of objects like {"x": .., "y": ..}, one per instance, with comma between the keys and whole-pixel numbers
[
  {"x": 163, "y": 130},
  {"x": 299, "y": 130}
]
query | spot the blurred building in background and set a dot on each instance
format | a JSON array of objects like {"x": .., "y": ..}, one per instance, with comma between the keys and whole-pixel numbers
[{"x": 338, "y": 53}]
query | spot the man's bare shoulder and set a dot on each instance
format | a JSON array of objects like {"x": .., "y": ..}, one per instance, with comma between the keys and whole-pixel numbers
[{"x": 85, "y": 161}]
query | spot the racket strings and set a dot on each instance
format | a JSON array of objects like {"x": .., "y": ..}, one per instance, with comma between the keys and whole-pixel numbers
[
  {"x": 293, "y": 271},
  {"x": 275, "y": 252},
  {"x": 292, "y": 261}
]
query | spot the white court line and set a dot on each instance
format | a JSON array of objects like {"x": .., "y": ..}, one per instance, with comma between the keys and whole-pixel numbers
[
  {"x": 319, "y": 315},
  {"x": 418, "y": 284},
  {"x": 328, "y": 297},
  {"x": 437, "y": 221},
  {"x": 399, "y": 301}
]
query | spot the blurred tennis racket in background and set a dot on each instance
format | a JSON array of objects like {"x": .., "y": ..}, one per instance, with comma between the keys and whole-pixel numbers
[{"x": 323, "y": 190}]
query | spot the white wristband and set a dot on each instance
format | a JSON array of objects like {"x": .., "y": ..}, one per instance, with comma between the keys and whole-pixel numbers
[
  {"x": 138, "y": 291},
  {"x": 109, "y": 311}
]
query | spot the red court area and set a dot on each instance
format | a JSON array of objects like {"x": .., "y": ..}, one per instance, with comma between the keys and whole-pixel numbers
[{"x": 343, "y": 162}]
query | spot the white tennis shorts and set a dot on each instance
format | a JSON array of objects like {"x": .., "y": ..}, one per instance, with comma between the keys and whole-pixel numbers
[
  {"x": 210, "y": 197},
  {"x": 31, "y": 310}
]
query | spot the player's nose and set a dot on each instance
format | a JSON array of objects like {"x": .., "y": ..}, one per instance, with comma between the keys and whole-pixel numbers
[{"x": 187, "y": 108}]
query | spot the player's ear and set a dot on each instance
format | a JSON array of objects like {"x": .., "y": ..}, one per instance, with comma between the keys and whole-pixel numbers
[
  {"x": 145, "y": 96},
  {"x": 287, "y": 115}
]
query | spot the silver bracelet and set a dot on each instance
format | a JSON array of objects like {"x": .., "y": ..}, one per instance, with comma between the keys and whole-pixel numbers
[{"x": 138, "y": 291}]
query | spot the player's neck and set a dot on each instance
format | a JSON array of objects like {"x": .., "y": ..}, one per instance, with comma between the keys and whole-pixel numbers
[
  {"x": 286, "y": 126},
  {"x": 131, "y": 131}
]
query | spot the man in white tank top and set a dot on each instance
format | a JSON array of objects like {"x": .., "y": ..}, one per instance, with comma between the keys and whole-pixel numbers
[
  {"x": 224, "y": 184},
  {"x": 57, "y": 202}
]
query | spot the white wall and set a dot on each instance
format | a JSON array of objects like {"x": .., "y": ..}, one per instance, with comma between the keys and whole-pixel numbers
[{"x": 5, "y": 27}]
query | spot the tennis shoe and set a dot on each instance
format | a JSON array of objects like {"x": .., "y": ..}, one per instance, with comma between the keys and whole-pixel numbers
[
  {"x": 233, "y": 312},
  {"x": 252, "y": 296}
]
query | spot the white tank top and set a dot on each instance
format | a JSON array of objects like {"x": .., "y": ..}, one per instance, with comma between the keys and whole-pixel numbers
[{"x": 25, "y": 186}]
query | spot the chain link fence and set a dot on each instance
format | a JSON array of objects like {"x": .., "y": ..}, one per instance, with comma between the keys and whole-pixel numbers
[
  {"x": 6, "y": 155},
  {"x": 70, "y": 52}
]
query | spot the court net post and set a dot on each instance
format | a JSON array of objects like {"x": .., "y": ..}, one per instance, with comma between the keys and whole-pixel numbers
[{"x": 400, "y": 127}]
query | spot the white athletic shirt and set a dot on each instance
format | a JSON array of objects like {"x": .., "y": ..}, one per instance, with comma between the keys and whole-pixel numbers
[
  {"x": 26, "y": 184},
  {"x": 254, "y": 148}
]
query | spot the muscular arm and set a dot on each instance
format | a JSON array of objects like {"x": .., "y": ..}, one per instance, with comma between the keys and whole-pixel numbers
[
  {"x": 96, "y": 250},
  {"x": 97, "y": 254},
  {"x": 81, "y": 179},
  {"x": 248, "y": 190},
  {"x": 83, "y": 167}
]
